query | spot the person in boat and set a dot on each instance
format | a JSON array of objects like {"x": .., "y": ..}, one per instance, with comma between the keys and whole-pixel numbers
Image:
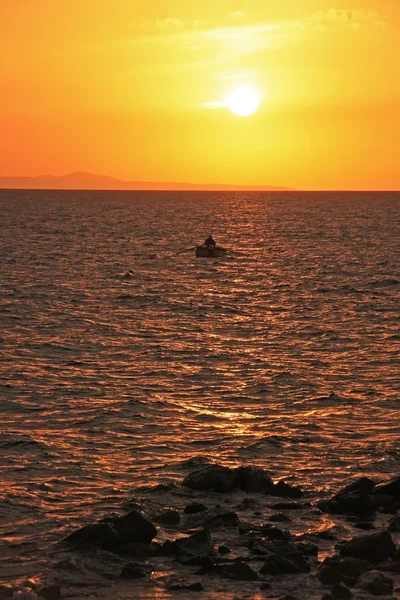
[{"x": 210, "y": 243}]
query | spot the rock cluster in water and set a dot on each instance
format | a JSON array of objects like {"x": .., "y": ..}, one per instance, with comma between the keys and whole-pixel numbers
[{"x": 203, "y": 540}]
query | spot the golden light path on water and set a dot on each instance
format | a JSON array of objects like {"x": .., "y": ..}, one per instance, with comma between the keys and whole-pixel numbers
[{"x": 127, "y": 362}]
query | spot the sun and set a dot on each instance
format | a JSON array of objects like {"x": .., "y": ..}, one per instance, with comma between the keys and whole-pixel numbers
[{"x": 243, "y": 101}]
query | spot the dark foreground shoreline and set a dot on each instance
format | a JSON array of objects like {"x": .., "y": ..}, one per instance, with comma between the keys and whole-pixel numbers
[{"x": 235, "y": 533}]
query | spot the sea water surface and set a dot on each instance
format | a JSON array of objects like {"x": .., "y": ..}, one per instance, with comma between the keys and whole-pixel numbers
[{"x": 123, "y": 356}]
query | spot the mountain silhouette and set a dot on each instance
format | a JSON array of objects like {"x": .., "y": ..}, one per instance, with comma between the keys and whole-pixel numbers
[{"x": 89, "y": 181}]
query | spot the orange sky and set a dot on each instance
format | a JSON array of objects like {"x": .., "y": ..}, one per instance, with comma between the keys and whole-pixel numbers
[{"x": 131, "y": 89}]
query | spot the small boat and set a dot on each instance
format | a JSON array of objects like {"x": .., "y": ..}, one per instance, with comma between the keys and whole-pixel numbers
[{"x": 204, "y": 252}]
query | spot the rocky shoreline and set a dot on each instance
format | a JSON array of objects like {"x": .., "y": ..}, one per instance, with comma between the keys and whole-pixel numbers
[{"x": 233, "y": 531}]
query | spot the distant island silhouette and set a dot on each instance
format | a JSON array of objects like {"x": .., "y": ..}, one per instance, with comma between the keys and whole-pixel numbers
[{"x": 89, "y": 181}]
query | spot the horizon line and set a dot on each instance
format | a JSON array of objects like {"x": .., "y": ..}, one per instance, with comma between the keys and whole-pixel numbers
[{"x": 103, "y": 183}]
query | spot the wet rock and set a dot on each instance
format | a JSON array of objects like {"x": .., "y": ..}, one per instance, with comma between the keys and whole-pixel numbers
[
  {"x": 280, "y": 518},
  {"x": 376, "y": 583},
  {"x": 364, "y": 525},
  {"x": 133, "y": 527},
  {"x": 168, "y": 548},
  {"x": 6, "y": 591},
  {"x": 195, "y": 547},
  {"x": 134, "y": 571},
  {"x": 363, "y": 485},
  {"x": 342, "y": 570},
  {"x": 341, "y": 592},
  {"x": 213, "y": 520},
  {"x": 372, "y": 548},
  {"x": 194, "y": 507},
  {"x": 348, "y": 503},
  {"x": 274, "y": 533},
  {"x": 282, "y": 549},
  {"x": 168, "y": 517},
  {"x": 212, "y": 477},
  {"x": 50, "y": 592},
  {"x": 394, "y": 524},
  {"x": 391, "y": 488},
  {"x": 253, "y": 479},
  {"x": 103, "y": 535},
  {"x": 279, "y": 565},
  {"x": 381, "y": 502},
  {"x": 135, "y": 550},
  {"x": 285, "y": 490},
  {"x": 159, "y": 488},
  {"x": 197, "y": 586},
  {"x": 392, "y": 508},
  {"x": 239, "y": 571}
]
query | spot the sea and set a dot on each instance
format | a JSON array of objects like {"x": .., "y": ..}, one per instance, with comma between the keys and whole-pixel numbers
[{"x": 125, "y": 360}]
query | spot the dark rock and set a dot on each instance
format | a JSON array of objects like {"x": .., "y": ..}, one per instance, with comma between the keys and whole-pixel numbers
[
  {"x": 6, "y": 591},
  {"x": 239, "y": 571},
  {"x": 224, "y": 550},
  {"x": 341, "y": 592},
  {"x": 168, "y": 517},
  {"x": 103, "y": 535},
  {"x": 376, "y": 583},
  {"x": 279, "y": 518},
  {"x": 208, "y": 565},
  {"x": 194, "y": 507},
  {"x": 307, "y": 548},
  {"x": 391, "y": 509},
  {"x": 168, "y": 548},
  {"x": 50, "y": 592},
  {"x": 212, "y": 477},
  {"x": 348, "y": 503},
  {"x": 373, "y": 548},
  {"x": 282, "y": 549},
  {"x": 159, "y": 488},
  {"x": 274, "y": 533},
  {"x": 186, "y": 587},
  {"x": 284, "y": 490},
  {"x": 394, "y": 524},
  {"x": 289, "y": 597},
  {"x": 245, "y": 527},
  {"x": 363, "y": 485},
  {"x": 195, "y": 547},
  {"x": 279, "y": 565},
  {"x": 136, "y": 550},
  {"x": 381, "y": 501},
  {"x": 213, "y": 520},
  {"x": 391, "y": 488},
  {"x": 133, "y": 527},
  {"x": 253, "y": 479},
  {"x": 345, "y": 570},
  {"x": 327, "y": 597},
  {"x": 133, "y": 571},
  {"x": 366, "y": 526}
]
